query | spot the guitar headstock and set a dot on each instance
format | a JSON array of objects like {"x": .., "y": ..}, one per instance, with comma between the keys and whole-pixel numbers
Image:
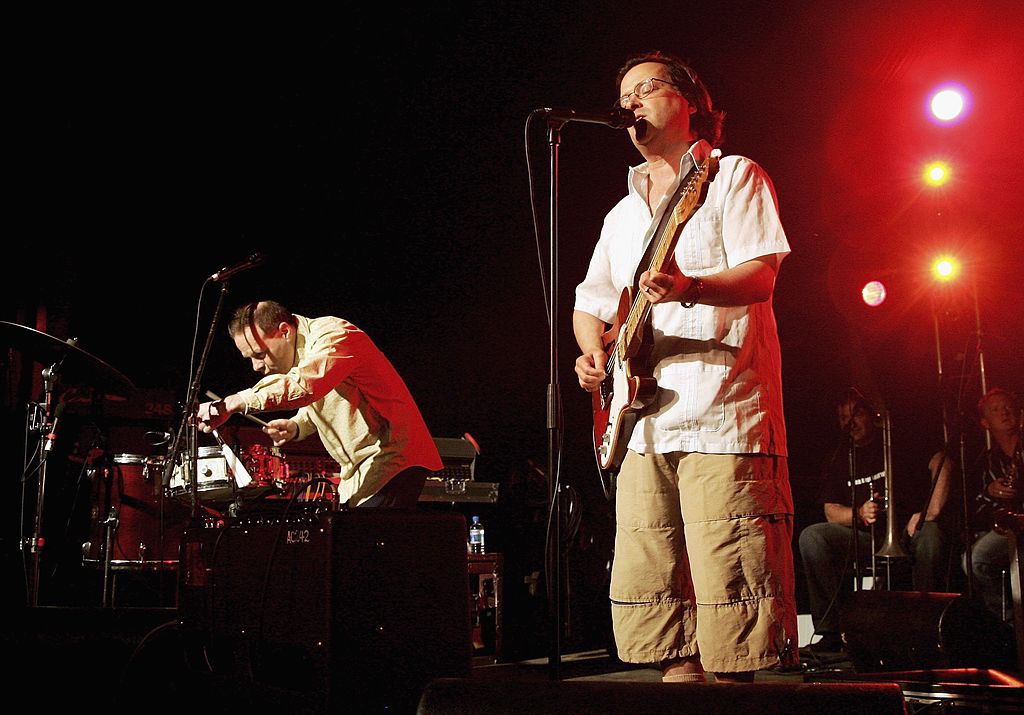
[
  {"x": 713, "y": 158},
  {"x": 701, "y": 174}
]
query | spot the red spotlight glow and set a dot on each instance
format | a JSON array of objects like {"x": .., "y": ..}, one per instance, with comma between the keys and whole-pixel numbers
[
  {"x": 948, "y": 104},
  {"x": 873, "y": 293}
]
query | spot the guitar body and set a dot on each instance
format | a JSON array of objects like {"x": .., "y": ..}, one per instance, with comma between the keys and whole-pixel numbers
[{"x": 625, "y": 392}]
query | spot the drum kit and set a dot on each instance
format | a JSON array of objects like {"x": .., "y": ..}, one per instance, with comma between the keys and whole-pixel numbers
[{"x": 139, "y": 508}]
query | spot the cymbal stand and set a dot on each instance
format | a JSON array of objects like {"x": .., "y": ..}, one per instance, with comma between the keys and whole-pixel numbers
[
  {"x": 110, "y": 525},
  {"x": 40, "y": 422}
]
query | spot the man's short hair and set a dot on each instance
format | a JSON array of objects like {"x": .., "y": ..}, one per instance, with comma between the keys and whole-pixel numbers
[
  {"x": 995, "y": 391},
  {"x": 264, "y": 314},
  {"x": 856, "y": 400}
]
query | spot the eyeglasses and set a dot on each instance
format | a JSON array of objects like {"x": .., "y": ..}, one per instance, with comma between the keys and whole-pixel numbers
[{"x": 641, "y": 90}]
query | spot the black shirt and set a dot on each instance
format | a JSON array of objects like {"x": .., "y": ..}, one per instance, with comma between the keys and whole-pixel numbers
[{"x": 870, "y": 479}]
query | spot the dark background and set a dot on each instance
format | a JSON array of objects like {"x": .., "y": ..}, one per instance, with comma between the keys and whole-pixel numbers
[{"x": 376, "y": 157}]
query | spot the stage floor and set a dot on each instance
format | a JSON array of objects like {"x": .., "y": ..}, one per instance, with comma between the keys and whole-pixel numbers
[{"x": 128, "y": 660}]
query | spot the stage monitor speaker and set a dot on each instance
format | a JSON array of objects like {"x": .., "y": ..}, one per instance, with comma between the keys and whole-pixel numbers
[
  {"x": 332, "y": 611},
  {"x": 490, "y": 697},
  {"x": 904, "y": 630}
]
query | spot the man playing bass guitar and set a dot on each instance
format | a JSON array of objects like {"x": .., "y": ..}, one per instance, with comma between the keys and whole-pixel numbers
[{"x": 702, "y": 578}]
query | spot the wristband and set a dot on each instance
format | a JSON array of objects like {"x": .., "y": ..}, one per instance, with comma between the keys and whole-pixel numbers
[{"x": 693, "y": 292}]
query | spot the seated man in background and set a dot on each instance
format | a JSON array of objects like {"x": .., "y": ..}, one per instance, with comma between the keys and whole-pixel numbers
[
  {"x": 826, "y": 548},
  {"x": 1000, "y": 469}
]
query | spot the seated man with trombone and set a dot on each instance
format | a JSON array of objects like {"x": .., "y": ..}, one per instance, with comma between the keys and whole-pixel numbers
[{"x": 826, "y": 548}]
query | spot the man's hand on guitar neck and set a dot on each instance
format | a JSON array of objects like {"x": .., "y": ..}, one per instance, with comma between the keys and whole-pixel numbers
[{"x": 663, "y": 287}]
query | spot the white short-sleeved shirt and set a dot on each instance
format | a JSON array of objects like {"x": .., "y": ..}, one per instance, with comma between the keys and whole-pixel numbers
[{"x": 718, "y": 369}]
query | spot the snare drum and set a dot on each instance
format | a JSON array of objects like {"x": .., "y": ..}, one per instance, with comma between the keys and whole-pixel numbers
[
  {"x": 216, "y": 481},
  {"x": 148, "y": 528}
]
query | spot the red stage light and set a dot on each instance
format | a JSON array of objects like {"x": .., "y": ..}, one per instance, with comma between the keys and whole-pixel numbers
[
  {"x": 945, "y": 268},
  {"x": 948, "y": 104},
  {"x": 873, "y": 293},
  {"x": 936, "y": 173}
]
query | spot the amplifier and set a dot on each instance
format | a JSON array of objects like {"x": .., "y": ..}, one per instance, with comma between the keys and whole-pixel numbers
[
  {"x": 904, "y": 630},
  {"x": 325, "y": 611},
  {"x": 458, "y": 455},
  {"x": 436, "y": 489}
]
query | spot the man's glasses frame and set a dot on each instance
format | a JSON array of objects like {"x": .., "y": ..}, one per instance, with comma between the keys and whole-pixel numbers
[{"x": 642, "y": 90}]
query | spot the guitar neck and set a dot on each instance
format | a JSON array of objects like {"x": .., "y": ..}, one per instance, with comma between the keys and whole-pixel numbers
[{"x": 690, "y": 197}]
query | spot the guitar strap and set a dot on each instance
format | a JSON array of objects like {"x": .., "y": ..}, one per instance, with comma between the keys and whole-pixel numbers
[{"x": 645, "y": 262}]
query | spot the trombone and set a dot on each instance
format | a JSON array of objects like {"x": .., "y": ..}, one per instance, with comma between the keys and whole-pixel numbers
[{"x": 891, "y": 548}]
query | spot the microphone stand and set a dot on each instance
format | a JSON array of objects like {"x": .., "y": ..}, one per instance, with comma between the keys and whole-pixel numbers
[
  {"x": 968, "y": 532},
  {"x": 968, "y": 560},
  {"x": 188, "y": 429},
  {"x": 553, "y": 402},
  {"x": 556, "y": 119}
]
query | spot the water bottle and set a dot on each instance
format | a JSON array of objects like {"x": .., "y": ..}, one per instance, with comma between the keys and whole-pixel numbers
[{"x": 476, "y": 537}]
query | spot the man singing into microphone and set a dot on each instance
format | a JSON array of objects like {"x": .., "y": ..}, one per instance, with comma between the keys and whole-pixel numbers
[
  {"x": 345, "y": 390},
  {"x": 703, "y": 571}
]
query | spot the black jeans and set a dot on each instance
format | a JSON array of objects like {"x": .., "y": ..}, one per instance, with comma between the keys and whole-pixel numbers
[{"x": 402, "y": 492}]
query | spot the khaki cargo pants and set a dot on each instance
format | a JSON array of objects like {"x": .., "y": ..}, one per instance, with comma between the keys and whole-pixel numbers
[{"x": 703, "y": 560}]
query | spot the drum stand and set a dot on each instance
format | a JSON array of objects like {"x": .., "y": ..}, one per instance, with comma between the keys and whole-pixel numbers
[
  {"x": 110, "y": 525},
  {"x": 42, "y": 419}
]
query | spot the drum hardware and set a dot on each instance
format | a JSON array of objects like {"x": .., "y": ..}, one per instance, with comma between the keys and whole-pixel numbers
[
  {"x": 224, "y": 476},
  {"x": 158, "y": 438},
  {"x": 70, "y": 364},
  {"x": 215, "y": 479},
  {"x": 141, "y": 530},
  {"x": 109, "y": 529},
  {"x": 266, "y": 465},
  {"x": 147, "y": 528}
]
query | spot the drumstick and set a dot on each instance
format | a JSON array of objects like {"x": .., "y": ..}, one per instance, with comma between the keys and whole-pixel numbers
[{"x": 251, "y": 418}]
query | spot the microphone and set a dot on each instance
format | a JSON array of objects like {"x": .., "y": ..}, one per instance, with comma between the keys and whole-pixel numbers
[
  {"x": 616, "y": 118},
  {"x": 223, "y": 274}
]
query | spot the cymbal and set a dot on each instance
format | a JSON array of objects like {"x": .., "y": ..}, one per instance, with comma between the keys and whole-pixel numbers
[{"x": 78, "y": 366}]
